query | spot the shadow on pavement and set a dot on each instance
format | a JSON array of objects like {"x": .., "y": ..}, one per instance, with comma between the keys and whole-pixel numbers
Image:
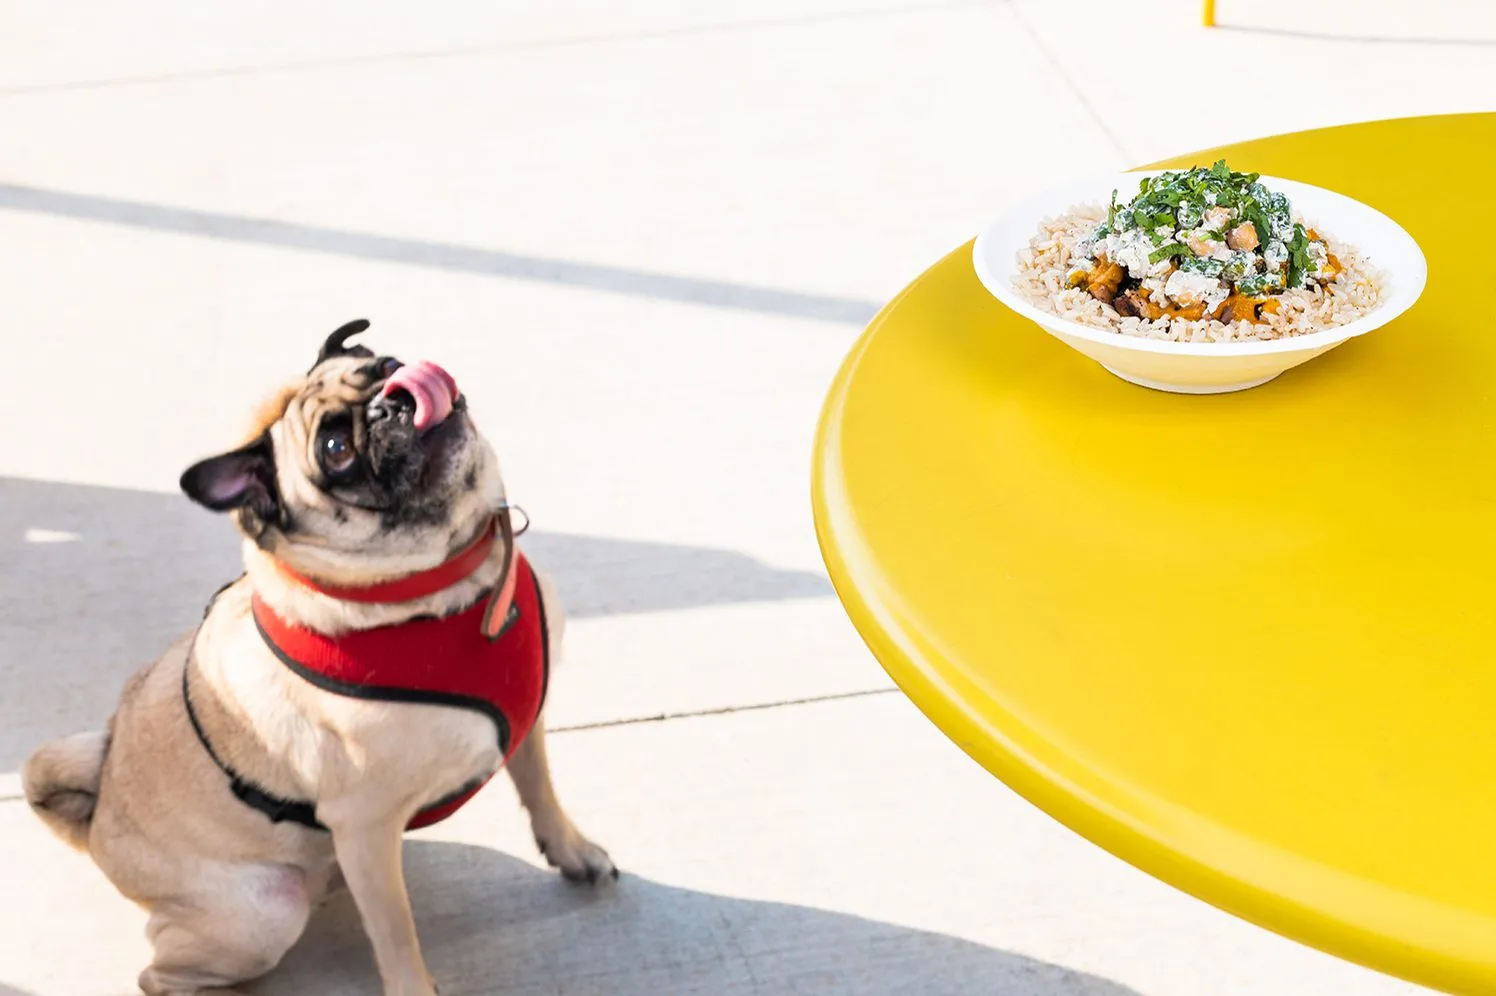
[
  {"x": 95, "y": 582},
  {"x": 438, "y": 255},
  {"x": 1353, "y": 38},
  {"x": 493, "y": 924}
]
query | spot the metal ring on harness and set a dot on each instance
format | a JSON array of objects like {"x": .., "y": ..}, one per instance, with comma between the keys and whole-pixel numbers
[{"x": 515, "y": 508}]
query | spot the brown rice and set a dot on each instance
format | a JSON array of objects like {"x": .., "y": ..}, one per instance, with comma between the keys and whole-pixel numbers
[{"x": 1042, "y": 268}]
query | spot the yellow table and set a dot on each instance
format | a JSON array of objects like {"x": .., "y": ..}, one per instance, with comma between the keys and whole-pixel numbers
[{"x": 1244, "y": 642}]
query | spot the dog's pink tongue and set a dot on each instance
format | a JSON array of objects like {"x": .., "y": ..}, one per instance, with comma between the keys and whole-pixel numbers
[{"x": 433, "y": 389}]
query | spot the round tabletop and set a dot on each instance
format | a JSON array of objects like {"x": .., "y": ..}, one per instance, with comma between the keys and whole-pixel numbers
[{"x": 1244, "y": 641}]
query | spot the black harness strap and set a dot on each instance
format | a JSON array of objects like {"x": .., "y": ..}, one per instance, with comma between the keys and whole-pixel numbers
[{"x": 277, "y": 809}]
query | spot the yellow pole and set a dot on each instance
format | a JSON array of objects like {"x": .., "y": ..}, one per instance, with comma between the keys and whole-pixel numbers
[{"x": 1210, "y": 13}]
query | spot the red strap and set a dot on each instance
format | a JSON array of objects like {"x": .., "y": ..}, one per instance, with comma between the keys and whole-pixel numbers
[
  {"x": 412, "y": 586},
  {"x": 503, "y": 595}
]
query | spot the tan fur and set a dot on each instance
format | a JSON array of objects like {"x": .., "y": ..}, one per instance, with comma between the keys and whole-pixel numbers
[
  {"x": 271, "y": 410},
  {"x": 229, "y": 892},
  {"x": 61, "y": 782}
]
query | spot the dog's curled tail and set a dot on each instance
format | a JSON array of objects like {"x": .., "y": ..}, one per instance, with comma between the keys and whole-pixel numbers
[{"x": 61, "y": 781}]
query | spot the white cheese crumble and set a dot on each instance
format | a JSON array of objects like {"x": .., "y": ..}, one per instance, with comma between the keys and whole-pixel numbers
[
  {"x": 1275, "y": 255},
  {"x": 1193, "y": 288},
  {"x": 1321, "y": 257},
  {"x": 1130, "y": 249}
]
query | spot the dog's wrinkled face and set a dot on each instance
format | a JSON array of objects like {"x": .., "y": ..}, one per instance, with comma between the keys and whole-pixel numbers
[{"x": 364, "y": 467}]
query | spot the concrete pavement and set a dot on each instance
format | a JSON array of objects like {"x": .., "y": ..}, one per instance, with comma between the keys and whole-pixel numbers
[{"x": 642, "y": 236}]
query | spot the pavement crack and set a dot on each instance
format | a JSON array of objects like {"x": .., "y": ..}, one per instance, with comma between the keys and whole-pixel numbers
[
  {"x": 10, "y": 788},
  {"x": 666, "y": 717},
  {"x": 1070, "y": 82}
]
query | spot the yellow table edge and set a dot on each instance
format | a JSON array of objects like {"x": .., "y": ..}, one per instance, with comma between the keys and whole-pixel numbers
[{"x": 1027, "y": 776}]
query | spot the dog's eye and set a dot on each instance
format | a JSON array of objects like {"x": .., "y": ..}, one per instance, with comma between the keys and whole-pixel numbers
[
  {"x": 338, "y": 456},
  {"x": 389, "y": 366}
]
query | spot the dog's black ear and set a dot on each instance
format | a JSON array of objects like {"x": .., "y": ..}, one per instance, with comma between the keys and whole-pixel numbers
[
  {"x": 242, "y": 478},
  {"x": 336, "y": 344}
]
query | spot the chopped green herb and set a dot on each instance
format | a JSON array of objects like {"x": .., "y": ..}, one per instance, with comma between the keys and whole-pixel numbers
[
  {"x": 1300, "y": 263},
  {"x": 1259, "y": 219},
  {"x": 1259, "y": 284},
  {"x": 1204, "y": 264},
  {"x": 1239, "y": 265},
  {"x": 1148, "y": 221},
  {"x": 1171, "y": 207}
]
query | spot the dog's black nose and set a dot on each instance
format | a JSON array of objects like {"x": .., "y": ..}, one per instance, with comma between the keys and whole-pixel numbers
[{"x": 397, "y": 404}]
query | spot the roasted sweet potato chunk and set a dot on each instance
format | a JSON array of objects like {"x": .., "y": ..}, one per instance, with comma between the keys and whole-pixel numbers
[
  {"x": 1193, "y": 313},
  {"x": 1240, "y": 308},
  {"x": 1104, "y": 279}
]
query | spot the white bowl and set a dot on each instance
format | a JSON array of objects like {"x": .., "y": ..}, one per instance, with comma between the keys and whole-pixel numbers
[{"x": 1203, "y": 367}]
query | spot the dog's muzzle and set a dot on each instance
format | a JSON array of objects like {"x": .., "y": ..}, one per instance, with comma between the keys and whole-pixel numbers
[
  {"x": 423, "y": 390},
  {"x": 415, "y": 402}
]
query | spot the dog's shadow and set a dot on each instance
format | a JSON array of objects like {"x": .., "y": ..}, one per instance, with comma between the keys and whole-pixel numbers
[{"x": 490, "y": 923}]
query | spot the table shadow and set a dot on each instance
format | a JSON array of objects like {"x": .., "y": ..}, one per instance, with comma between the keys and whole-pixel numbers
[{"x": 491, "y": 923}]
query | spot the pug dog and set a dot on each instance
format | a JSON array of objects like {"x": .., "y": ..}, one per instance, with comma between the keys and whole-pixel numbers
[{"x": 385, "y": 652}]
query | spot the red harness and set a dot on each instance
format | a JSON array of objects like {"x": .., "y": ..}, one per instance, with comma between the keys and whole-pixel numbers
[{"x": 450, "y": 661}]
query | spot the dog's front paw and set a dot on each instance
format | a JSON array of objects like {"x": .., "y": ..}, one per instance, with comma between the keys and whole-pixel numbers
[
  {"x": 413, "y": 987},
  {"x": 579, "y": 859}
]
